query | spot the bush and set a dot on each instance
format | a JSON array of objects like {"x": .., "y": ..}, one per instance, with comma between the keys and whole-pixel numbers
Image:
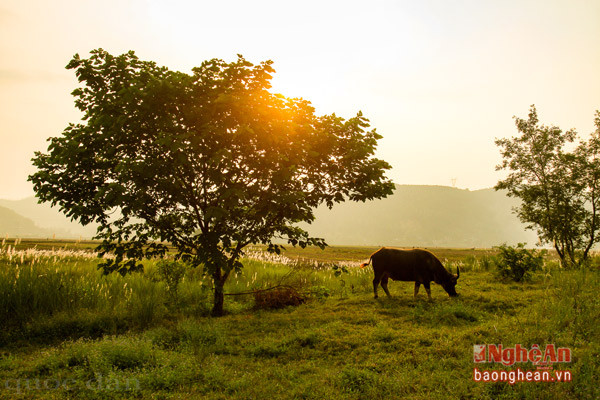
[
  {"x": 320, "y": 292},
  {"x": 172, "y": 273},
  {"x": 517, "y": 263}
]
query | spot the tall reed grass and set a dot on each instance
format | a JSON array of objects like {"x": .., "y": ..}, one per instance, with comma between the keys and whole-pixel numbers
[{"x": 65, "y": 285}]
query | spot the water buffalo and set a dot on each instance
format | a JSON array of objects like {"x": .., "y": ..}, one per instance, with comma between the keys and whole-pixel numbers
[{"x": 416, "y": 265}]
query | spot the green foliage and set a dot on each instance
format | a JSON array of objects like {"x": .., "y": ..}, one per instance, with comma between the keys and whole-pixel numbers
[
  {"x": 172, "y": 272},
  {"x": 559, "y": 189},
  {"x": 320, "y": 292},
  {"x": 209, "y": 162},
  {"x": 517, "y": 263},
  {"x": 339, "y": 270}
]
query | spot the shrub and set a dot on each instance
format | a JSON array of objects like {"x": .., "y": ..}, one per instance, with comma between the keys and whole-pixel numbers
[
  {"x": 171, "y": 272},
  {"x": 320, "y": 292},
  {"x": 517, "y": 263}
]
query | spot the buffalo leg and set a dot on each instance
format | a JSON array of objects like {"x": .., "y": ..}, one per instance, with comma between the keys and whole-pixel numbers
[
  {"x": 384, "y": 282},
  {"x": 417, "y": 286},
  {"x": 427, "y": 289},
  {"x": 376, "y": 283}
]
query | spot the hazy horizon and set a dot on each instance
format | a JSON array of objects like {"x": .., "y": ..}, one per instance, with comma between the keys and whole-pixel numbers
[
  {"x": 439, "y": 81},
  {"x": 397, "y": 184}
]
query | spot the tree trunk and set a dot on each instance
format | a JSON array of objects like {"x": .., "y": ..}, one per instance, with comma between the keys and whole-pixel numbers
[
  {"x": 217, "y": 310},
  {"x": 561, "y": 254}
]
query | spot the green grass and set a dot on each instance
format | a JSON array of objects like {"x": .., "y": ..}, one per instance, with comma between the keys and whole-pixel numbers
[{"x": 125, "y": 337}]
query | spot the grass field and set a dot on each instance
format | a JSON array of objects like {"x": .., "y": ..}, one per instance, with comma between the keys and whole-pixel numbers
[{"x": 69, "y": 332}]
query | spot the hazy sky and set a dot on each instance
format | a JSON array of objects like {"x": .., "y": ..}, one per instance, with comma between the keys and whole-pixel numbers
[{"x": 438, "y": 79}]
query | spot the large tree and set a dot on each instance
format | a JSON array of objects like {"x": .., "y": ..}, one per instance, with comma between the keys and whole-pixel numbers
[
  {"x": 558, "y": 183},
  {"x": 208, "y": 162}
]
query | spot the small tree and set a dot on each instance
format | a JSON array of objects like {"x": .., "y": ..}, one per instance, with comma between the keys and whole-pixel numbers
[
  {"x": 209, "y": 162},
  {"x": 559, "y": 190},
  {"x": 589, "y": 172},
  {"x": 171, "y": 273},
  {"x": 517, "y": 263}
]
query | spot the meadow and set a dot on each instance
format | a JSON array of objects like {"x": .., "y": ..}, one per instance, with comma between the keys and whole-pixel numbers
[{"x": 70, "y": 332}]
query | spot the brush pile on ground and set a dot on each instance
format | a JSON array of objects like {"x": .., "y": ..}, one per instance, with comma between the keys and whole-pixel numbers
[{"x": 279, "y": 297}]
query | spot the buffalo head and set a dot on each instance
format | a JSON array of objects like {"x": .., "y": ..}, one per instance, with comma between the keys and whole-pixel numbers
[{"x": 449, "y": 285}]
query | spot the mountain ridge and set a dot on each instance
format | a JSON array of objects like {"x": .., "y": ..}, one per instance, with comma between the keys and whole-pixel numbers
[
  {"x": 13, "y": 224},
  {"x": 425, "y": 215},
  {"x": 415, "y": 215}
]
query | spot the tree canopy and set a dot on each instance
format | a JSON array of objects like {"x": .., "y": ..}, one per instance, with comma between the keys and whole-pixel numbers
[
  {"x": 557, "y": 178},
  {"x": 208, "y": 162}
]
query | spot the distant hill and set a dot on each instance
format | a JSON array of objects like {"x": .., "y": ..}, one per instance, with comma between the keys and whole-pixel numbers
[
  {"x": 424, "y": 216},
  {"x": 13, "y": 224},
  {"x": 48, "y": 218},
  {"x": 412, "y": 216}
]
